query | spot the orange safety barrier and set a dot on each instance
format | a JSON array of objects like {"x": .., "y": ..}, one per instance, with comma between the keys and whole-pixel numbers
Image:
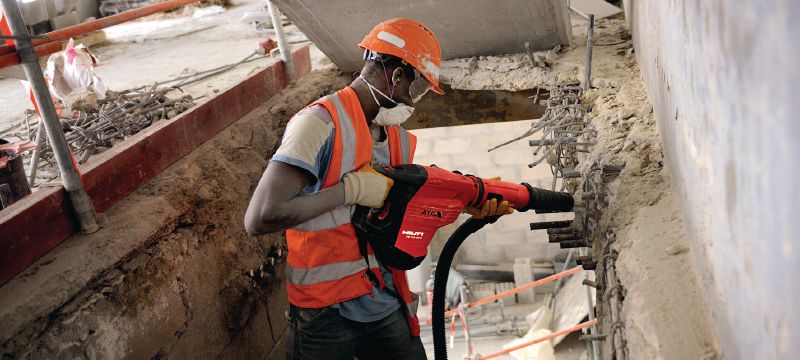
[
  {"x": 541, "y": 339},
  {"x": 515, "y": 290}
]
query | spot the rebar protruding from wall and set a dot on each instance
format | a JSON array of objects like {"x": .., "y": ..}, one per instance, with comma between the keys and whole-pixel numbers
[
  {"x": 551, "y": 224},
  {"x": 554, "y": 238},
  {"x": 37, "y": 153},
  {"x": 568, "y": 244},
  {"x": 70, "y": 177}
]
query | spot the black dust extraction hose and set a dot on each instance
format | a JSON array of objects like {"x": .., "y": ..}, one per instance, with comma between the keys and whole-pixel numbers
[
  {"x": 540, "y": 199},
  {"x": 440, "y": 280}
]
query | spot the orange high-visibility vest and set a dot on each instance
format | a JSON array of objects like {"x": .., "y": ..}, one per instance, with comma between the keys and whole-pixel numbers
[{"x": 324, "y": 264}]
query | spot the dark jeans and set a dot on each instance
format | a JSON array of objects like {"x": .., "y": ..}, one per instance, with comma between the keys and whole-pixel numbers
[{"x": 317, "y": 334}]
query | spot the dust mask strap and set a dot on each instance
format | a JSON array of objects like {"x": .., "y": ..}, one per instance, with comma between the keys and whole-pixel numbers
[
  {"x": 388, "y": 117},
  {"x": 373, "y": 90}
]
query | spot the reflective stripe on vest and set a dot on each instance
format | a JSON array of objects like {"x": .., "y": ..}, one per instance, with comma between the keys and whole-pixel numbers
[
  {"x": 401, "y": 145},
  {"x": 329, "y": 220},
  {"x": 348, "y": 132},
  {"x": 329, "y": 272}
]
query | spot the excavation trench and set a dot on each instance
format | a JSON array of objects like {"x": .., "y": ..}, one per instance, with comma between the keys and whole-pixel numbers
[{"x": 173, "y": 273}]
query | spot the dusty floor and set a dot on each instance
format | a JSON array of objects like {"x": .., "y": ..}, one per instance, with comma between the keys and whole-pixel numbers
[{"x": 488, "y": 338}]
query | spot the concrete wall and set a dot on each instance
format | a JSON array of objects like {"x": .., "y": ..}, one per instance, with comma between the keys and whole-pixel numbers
[
  {"x": 482, "y": 28},
  {"x": 723, "y": 78}
]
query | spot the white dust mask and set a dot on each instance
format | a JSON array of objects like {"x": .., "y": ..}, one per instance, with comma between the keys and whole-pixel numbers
[{"x": 386, "y": 116}]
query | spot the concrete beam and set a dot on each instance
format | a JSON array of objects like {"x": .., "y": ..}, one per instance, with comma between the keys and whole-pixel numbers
[{"x": 481, "y": 28}]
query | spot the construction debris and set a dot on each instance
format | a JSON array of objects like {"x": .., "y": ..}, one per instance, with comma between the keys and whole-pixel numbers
[{"x": 122, "y": 114}]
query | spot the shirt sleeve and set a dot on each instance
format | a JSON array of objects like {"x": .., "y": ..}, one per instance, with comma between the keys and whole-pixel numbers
[{"x": 304, "y": 141}]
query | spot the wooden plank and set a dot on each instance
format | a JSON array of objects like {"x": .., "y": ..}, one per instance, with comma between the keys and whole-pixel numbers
[{"x": 34, "y": 225}]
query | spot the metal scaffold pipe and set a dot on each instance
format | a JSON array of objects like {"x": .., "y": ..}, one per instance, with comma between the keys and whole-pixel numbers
[
  {"x": 587, "y": 72},
  {"x": 81, "y": 204},
  {"x": 283, "y": 45}
]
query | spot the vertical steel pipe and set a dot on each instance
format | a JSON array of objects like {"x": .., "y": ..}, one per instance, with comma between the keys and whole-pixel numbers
[
  {"x": 587, "y": 72},
  {"x": 283, "y": 45},
  {"x": 81, "y": 204},
  {"x": 592, "y": 330}
]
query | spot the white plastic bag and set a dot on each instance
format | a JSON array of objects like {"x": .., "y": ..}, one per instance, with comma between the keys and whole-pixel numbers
[{"x": 72, "y": 70}]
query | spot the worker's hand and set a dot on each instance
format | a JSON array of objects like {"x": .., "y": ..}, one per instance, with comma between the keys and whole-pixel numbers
[
  {"x": 490, "y": 208},
  {"x": 366, "y": 187}
]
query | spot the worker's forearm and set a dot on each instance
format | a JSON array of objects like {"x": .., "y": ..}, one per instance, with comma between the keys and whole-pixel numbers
[
  {"x": 297, "y": 210},
  {"x": 305, "y": 207}
]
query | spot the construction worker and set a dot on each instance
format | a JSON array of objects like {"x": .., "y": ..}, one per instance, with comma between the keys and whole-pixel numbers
[{"x": 340, "y": 309}]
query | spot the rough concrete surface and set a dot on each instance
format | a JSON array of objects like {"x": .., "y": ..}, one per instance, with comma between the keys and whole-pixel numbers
[
  {"x": 462, "y": 31},
  {"x": 165, "y": 277},
  {"x": 664, "y": 314},
  {"x": 723, "y": 79}
]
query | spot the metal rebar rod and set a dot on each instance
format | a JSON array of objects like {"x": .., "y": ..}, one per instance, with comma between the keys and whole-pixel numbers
[
  {"x": 613, "y": 288},
  {"x": 463, "y": 314},
  {"x": 37, "y": 153},
  {"x": 283, "y": 45},
  {"x": 587, "y": 72},
  {"x": 551, "y": 300},
  {"x": 568, "y": 244},
  {"x": 565, "y": 237},
  {"x": 551, "y": 224},
  {"x": 81, "y": 204}
]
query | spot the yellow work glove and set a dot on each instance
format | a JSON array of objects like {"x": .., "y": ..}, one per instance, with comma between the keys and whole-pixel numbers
[
  {"x": 490, "y": 208},
  {"x": 366, "y": 187}
]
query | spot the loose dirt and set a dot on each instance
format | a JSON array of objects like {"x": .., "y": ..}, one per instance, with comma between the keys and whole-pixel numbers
[{"x": 168, "y": 275}]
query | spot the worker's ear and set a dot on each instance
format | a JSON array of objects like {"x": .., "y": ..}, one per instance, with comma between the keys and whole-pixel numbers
[{"x": 397, "y": 75}]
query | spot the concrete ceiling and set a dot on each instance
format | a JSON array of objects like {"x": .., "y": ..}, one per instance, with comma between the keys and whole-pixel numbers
[{"x": 464, "y": 28}]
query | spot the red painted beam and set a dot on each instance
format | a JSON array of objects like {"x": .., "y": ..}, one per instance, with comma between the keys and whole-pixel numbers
[
  {"x": 97, "y": 24},
  {"x": 36, "y": 224}
]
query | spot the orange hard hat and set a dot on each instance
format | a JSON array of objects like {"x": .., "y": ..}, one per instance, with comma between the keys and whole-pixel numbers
[{"x": 410, "y": 41}]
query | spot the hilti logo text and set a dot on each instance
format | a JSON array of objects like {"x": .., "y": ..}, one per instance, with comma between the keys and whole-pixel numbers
[{"x": 413, "y": 233}]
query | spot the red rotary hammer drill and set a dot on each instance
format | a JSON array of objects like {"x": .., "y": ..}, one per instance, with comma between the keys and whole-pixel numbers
[{"x": 425, "y": 198}]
